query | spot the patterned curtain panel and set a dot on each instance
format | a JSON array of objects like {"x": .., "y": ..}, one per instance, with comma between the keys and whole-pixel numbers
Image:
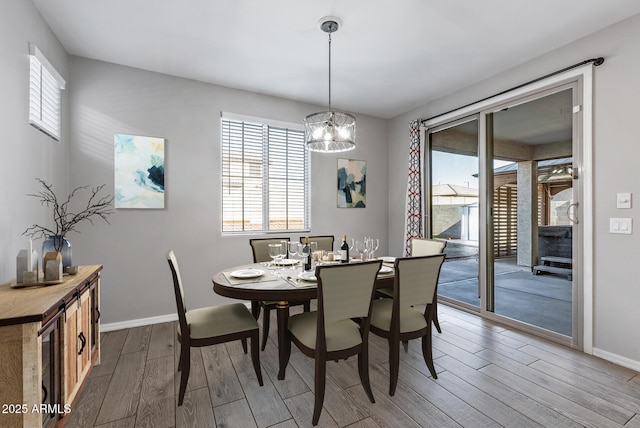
[{"x": 414, "y": 226}]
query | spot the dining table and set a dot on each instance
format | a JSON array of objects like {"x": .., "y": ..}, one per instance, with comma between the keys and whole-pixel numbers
[{"x": 281, "y": 284}]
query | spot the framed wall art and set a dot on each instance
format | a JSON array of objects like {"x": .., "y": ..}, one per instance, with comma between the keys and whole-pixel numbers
[
  {"x": 352, "y": 183},
  {"x": 139, "y": 171}
]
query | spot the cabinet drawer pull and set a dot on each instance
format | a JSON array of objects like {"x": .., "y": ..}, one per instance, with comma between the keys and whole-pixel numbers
[
  {"x": 84, "y": 342},
  {"x": 98, "y": 313}
]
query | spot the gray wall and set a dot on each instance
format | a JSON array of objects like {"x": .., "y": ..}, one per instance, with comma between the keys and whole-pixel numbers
[
  {"x": 26, "y": 152},
  {"x": 107, "y": 99},
  {"x": 616, "y": 152}
]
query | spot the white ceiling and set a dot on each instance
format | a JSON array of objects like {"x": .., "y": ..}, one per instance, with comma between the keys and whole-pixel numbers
[{"x": 388, "y": 58}]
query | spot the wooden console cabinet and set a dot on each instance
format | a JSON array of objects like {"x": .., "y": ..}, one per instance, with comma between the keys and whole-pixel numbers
[{"x": 49, "y": 340}]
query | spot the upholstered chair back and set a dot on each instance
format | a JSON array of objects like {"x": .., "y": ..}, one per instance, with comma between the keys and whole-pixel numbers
[
  {"x": 417, "y": 278},
  {"x": 426, "y": 247}
]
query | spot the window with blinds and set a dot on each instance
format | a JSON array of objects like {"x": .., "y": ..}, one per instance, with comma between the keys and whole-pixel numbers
[
  {"x": 265, "y": 177},
  {"x": 45, "y": 86}
]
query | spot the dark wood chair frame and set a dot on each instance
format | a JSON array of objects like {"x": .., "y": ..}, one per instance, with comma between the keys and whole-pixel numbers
[
  {"x": 394, "y": 337},
  {"x": 321, "y": 355},
  {"x": 265, "y": 306},
  {"x": 186, "y": 342}
]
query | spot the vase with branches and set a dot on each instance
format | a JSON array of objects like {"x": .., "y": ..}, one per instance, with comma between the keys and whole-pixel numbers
[{"x": 66, "y": 220}]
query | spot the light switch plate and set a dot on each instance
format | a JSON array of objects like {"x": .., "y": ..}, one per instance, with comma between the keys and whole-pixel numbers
[
  {"x": 621, "y": 225},
  {"x": 623, "y": 200}
]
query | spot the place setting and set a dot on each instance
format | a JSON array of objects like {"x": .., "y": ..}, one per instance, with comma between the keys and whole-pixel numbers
[
  {"x": 303, "y": 279},
  {"x": 247, "y": 276}
]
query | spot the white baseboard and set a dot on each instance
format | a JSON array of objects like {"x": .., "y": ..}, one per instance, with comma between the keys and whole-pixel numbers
[
  {"x": 138, "y": 322},
  {"x": 145, "y": 321},
  {"x": 617, "y": 359}
]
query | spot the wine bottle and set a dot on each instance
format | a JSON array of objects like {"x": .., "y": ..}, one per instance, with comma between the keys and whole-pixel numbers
[
  {"x": 344, "y": 250},
  {"x": 306, "y": 250}
]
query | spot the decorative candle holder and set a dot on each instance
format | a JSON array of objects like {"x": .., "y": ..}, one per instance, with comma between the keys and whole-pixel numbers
[{"x": 52, "y": 266}]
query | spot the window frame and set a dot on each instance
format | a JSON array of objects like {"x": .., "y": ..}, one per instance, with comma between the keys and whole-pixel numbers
[
  {"x": 266, "y": 155},
  {"x": 45, "y": 94}
]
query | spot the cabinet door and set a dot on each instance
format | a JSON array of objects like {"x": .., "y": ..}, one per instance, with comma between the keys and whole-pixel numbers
[
  {"x": 84, "y": 335},
  {"x": 70, "y": 353}
]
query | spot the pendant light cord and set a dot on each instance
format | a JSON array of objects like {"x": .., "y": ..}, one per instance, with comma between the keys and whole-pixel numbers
[{"x": 329, "y": 70}]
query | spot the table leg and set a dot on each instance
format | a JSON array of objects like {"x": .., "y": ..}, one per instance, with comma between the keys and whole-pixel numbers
[
  {"x": 282, "y": 309},
  {"x": 255, "y": 309}
]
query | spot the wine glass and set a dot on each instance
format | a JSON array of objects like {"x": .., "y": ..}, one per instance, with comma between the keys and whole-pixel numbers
[
  {"x": 367, "y": 247},
  {"x": 293, "y": 251},
  {"x": 374, "y": 244},
  {"x": 284, "y": 247},
  {"x": 275, "y": 252},
  {"x": 314, "y": 253},
  {"x": 361, "y": 247}
]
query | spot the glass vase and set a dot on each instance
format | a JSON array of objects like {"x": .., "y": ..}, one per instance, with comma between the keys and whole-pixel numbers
[{"x": 52, "y": 243}]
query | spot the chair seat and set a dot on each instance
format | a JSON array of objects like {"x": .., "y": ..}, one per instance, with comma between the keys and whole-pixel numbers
[
  {"x": 220, "y": 320},
  {"x": 410, "y": 319},
  {"x": 340, "y": 335}
]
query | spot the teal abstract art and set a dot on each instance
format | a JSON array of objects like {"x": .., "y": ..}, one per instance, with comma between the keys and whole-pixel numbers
[
  {"x": 139, "y": 171},
  {"x": 352, "y": 183}
]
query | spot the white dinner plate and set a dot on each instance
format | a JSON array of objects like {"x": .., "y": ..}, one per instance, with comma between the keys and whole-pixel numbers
[
  {"x": 387, "y": 259},
  {"x": 308, "y": 276},
  {"x": 247, "y": 273},
  {"x": 287, "y": 262},
  {"x": 386, "y": 269}
]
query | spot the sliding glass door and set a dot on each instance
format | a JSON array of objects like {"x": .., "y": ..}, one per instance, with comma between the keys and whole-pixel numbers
[
  {"x": 531, "y": 204},
  {"x": 454, "y": 215},
  {"x": 511, "y": 234}
]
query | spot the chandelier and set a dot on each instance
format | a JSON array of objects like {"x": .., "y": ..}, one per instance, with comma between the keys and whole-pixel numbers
[{"x": 330, "y": 131}]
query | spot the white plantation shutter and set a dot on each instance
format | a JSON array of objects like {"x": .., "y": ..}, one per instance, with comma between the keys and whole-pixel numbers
[
  {"x": 265, "y": 170},
  {"x": 45, "y": 85}
]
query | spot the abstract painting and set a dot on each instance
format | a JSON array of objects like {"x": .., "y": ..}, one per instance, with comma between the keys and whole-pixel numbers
[
  {"x": 139, "y": 171},
  {"x": 352, "y": 183}
]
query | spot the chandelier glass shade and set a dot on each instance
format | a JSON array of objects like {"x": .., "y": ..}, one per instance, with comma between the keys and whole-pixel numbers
[{"x": 330, "y": 131}]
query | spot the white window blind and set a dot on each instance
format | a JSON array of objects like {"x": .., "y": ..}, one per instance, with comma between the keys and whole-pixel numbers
[
  {"x": 44, "y": 94},
  {"x": 265, "y": 177}
]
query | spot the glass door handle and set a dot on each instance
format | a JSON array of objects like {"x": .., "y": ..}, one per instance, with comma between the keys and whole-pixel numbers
[{"x": 572, "y": 218}]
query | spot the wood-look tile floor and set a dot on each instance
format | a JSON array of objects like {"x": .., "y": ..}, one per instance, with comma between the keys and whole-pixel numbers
[{"x": 488, "y": 376}]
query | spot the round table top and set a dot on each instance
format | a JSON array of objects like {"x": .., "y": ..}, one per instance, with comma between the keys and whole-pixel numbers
[{"x": 270, "y": 287}]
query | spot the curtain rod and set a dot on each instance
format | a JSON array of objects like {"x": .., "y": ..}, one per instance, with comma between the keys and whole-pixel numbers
[{"x": 596, "y": 62}]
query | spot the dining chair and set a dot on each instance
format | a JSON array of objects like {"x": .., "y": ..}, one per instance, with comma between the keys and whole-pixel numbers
[
  {"x": 415, "y": 283},
  {"x": 260, "y": 250},
  {"x": 345, "y": 293},
  {"x": 427, "y": 247},
  {"x": 325, "y": 242},
  {"x": 422, "y": 247},
  {"x": 211, "y": 326}
]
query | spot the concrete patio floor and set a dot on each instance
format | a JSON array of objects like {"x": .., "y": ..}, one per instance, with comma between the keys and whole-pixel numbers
[{"x": 540, "y": 300}]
